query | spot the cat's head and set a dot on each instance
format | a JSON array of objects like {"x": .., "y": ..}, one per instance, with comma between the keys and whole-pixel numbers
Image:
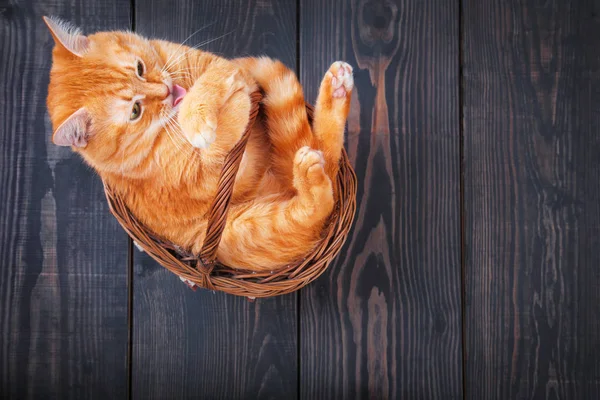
[{"x": 109, "y": 95}]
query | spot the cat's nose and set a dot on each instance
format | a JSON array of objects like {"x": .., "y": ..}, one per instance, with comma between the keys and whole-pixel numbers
[
  {"x": 157, "y": 91},
  {"x": 168, "y": 91}
]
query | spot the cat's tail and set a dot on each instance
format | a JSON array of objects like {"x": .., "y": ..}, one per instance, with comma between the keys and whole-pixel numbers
[{"x": 285, "y": 109}]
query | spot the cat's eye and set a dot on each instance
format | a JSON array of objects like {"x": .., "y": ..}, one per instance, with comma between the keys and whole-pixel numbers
[
  {"x": 136, "y": 111},
  {"x": 140, "y": 69}
]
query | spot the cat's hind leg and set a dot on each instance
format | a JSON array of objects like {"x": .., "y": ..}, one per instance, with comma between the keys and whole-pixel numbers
[
  {"x": 331, "y": 112},
  {"x": 273, "y": 232}
]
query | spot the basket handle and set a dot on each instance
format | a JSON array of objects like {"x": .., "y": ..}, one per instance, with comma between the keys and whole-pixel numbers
[{"x": 217, "y": 216}]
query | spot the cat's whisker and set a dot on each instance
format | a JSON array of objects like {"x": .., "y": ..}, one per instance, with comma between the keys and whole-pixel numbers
[
  {"x": 192, "y": 158},
  {"x": 177, "y": 143},
  {"x": 188, "y": 71},
  {"x": 182, "y": 43},
  {"x": 173, "y": 140},
  {"x": 165, "y": 122},
  {"x": 184, "y": 143},
  {"x": 197, "y": 47},
  {"x": 188, "y": 77},
  {"x": 178, "y": 57},
  {"x": 182, "y": 55},
  {"x": 185, "y": 75},
  {"x": 189, "y": 68},
  {"x": 182, "y": 78},
  {"x": 176, "y": 135},
  {"x": 181, "y": 142}
]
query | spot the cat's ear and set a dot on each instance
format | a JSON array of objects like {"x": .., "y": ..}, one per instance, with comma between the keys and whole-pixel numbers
[
  {"x": 74, "y": 131},
  {"x": 67, "y": 36}
]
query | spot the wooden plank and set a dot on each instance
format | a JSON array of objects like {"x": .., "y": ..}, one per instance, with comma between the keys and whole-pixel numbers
[
  {"x": 532, "y": 198},
  {"x": 385, "y": 320},
  {"x": 199, "y": 344},
  {"x": 63, "y": 272}
]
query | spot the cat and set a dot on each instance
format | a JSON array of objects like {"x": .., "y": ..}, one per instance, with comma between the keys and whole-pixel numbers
[{"x": 156, "y": 119}]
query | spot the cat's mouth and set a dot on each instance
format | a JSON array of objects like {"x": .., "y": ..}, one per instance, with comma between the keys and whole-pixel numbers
[{"x": 177, "y": 93}]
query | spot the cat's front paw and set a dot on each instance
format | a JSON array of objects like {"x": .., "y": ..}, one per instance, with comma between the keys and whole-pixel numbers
[
  {"x": 199, "y": 128},
  {"x": 205, "y": 136},
  {"x": 235, "y": 83}
]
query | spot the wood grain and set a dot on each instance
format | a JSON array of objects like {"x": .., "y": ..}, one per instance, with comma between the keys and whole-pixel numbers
[
  {"x": 532, "y": 199},
  {"x": 63, "y": 273},
  {"x": 199, "y": 344},
  {"x": 385, "y": 320}
]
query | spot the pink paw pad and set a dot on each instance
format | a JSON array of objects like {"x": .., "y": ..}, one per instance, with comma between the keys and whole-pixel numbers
[{"x": 342, "y": 80}]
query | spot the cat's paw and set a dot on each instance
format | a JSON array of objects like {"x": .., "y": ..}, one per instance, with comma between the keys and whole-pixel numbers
[
  {"x": 341, "y": 79},
  {"x": 309, "y": 166},
  {"x": 313, "y": 184},
  {"x": 207, "y": 134},
  {"x": 199, "y": 129},
  {"x": 235, "y": 83}
]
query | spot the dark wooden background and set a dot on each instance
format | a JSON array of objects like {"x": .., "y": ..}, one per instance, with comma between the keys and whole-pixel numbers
[{"x": 472, "y": 271}]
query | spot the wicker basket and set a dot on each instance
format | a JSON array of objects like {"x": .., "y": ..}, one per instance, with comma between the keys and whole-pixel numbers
[{"x": 204, "y": 271}]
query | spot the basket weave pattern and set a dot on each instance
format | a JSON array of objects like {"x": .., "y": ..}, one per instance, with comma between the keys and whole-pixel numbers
[{"x": 205, "y": 271}]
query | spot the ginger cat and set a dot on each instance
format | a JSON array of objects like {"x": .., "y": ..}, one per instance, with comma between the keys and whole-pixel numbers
[{"x": 156, "y": 120}]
